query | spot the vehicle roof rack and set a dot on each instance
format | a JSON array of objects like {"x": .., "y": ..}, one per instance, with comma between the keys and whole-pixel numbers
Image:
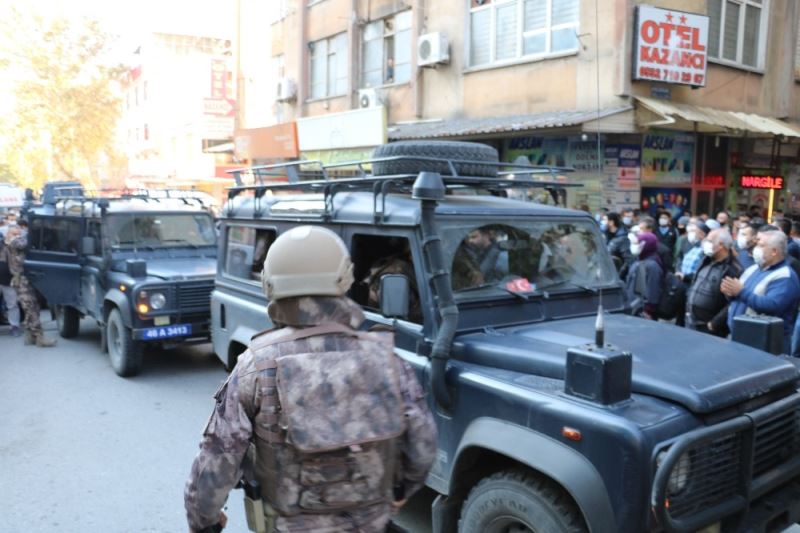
[
  {"x": 513, "y": 176},
  {"x": 66, "y": 198}
]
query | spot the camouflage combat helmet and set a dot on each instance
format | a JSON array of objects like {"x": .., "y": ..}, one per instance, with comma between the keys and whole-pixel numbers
[{"x": 307, "y": 261}]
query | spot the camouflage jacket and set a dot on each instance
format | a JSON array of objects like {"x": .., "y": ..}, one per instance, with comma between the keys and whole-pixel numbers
[
  {"x": 238, "y": 415},
  {"x": 14, "y": 251}
]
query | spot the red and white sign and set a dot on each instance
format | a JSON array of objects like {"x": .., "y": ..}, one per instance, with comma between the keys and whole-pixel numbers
[
  {"x": 221, "y": 107},
  {"x": 671, "y": 46}
]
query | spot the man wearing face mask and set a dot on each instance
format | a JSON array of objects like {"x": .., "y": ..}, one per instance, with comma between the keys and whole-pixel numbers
[
  {"x": 666, "y": 233},
  {"x": 695, "y": 233},
  {"x": 628, "y": 218},
  {"x": 617, "y": 238},
  {"x": 648, "y": 225},
  {"x": 770, "y": 287},
  {"x": 745, "y": 242},
  {"x": 706, "y": 306}
]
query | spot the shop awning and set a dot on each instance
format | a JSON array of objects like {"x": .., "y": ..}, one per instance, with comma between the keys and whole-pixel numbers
[
  {"x": 613, "y": 120},
  {"x": 220, "y": 149},
  {"x": 661, "y": 113}
]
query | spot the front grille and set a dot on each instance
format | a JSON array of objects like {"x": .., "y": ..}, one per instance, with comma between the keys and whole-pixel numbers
[
  {"x": 716, "y": 472},
  {"x": 711, "y": 474},
  {"x": 776, "y": 441},
  {"x": 191, "y": 296}
]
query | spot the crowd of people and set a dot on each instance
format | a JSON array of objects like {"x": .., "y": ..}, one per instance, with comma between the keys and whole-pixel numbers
[
  {"x": 703, "y": 272},
  {"x": 16, "y": 292}
]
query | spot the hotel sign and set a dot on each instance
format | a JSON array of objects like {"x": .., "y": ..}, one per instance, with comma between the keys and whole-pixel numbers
[{"x": 670, "y": 46}]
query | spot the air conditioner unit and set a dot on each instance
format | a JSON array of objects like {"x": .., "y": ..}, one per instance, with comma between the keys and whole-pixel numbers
[
  {"x": 432, "y": 48},
  {"x": 369, "y": 98},
  {"x": 287, "y": 90}
]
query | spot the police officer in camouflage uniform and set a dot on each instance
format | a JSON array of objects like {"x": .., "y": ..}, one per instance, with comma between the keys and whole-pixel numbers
[
  {"x": 331, "y": 424},
  {"x": 16, "y": 241}
]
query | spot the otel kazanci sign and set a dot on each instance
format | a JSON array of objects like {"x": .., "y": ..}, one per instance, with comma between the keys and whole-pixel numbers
[{"x": 670, "y": 46}]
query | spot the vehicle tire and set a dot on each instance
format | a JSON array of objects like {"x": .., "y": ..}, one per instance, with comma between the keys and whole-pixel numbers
[
  {"x": 517, "y": 501},
  {"x": 124, "y": 353},
  {"x": 437, "y": 149},
  {"x": 68, "y": 320}
]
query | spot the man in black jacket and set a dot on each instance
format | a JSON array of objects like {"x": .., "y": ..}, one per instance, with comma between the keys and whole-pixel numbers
[
  {"x": 617, "y": 239},
  {"x": 706, "y": 306}
]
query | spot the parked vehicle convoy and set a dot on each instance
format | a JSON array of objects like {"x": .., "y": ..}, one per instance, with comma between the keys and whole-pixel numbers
[
  {"x": 543, "y": 424},
  {"x": 142, "y": 265}
]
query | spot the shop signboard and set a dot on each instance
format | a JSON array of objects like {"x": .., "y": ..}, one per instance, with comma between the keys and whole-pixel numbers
[
  {"x": 667, "y": 157},
  {"x": 549, "y": 151},
  {"x": 271, "y": 142},
  {"x": 349, "y": 129},
  {"x": 621, "y": 176},
  {"x": 673, "y": 199},
  {"x": 671, "y": 46},
  {"x": 748, "y": 181}
]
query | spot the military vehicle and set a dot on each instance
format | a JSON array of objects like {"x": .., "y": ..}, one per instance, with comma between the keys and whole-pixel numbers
[
  {"x": 140, "y": 263},
  {"x": 551, "y": 416}
]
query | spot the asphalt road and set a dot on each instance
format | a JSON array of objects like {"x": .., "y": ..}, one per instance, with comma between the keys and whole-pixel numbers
[{"x": 82, "y": 449}]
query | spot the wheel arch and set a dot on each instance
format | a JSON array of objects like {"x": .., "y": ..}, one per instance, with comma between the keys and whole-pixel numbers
[
  {"x": 118, "y": 299},
  {"x": 489, "y": 445}
]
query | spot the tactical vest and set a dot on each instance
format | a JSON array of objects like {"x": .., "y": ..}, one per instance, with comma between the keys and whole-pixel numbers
[{"x": 329, "y": 419}]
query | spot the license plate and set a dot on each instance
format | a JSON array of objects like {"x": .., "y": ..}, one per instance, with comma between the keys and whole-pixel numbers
[
  {"x": 164, "y": 332},
  {"x": 161, "y": 320}
]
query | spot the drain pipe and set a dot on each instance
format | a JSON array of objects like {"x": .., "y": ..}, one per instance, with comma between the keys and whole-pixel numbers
[{"x": 429, "y": 188}]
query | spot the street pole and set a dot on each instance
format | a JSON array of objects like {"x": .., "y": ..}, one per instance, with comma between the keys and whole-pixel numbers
[{"x": 771, "y": 200}]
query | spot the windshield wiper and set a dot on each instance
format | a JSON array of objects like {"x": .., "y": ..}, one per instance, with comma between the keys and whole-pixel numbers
[
  {"x": 543, "y": 288},
  {"x": 496, "y": 285}
]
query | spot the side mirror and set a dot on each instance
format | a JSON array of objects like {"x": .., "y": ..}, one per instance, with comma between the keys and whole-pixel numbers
[
  {"x": 88, "y": 246},
  {"x": 394, "y": 296}
]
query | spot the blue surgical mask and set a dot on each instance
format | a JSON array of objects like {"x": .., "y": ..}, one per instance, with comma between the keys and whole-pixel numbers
[
  {"x": 627, "y": 220},
  {"x": 603, "y": 225}
]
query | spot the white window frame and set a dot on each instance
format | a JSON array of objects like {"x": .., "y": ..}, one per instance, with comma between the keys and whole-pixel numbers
[
  {"x": 764, "y": 5},
  {"x": 521, "y": 34},
  {"x": 330, "y": 92},
  {"x": 384, "y": 38}
]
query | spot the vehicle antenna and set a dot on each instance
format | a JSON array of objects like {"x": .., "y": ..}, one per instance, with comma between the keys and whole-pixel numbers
[{"x": 599, "y": 331}]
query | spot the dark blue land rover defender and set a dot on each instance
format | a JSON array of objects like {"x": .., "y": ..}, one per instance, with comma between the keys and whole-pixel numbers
[
  {"x": 141, "y": 264},
  {"x": 551, "y": 416}
]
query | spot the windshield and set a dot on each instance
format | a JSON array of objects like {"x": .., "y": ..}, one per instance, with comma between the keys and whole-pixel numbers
[
  {"x": 526, "y": 256},
  {"x": 160, "y": 230}
]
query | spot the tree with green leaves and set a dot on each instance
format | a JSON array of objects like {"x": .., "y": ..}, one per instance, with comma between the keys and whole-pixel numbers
[{"x": 66, "y": 101}]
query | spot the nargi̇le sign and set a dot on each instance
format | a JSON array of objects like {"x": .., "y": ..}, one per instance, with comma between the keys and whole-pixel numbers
[
  {"x": 761, "y": 182},
  {"x": 671, "y": 46}
]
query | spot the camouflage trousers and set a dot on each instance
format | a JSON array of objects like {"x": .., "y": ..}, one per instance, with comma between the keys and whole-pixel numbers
[{"x": 26, "y": 296}]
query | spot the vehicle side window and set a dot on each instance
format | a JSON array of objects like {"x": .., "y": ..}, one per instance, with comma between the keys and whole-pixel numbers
[
  {"x": 35, "y": 234},
  {"x": 246, "y": 250},
  {"x": 93, "y": 231},
  {"x": 60, "y": 235},
  {"x": 373, "y": 257}
]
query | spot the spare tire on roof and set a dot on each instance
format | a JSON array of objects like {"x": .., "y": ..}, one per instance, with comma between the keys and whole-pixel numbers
[{"x": 448, "y": 150}]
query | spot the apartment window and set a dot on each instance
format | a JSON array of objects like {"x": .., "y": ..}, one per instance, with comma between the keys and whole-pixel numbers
[
  {"x": 737, "y": 31},
  {"x": 329, "y": 66},
  {"x": 507, "y": 30},
  {"x": 386, "y": 51}
]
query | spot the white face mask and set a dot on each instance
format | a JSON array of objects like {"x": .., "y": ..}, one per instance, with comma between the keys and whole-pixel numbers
[
  {"x": 708, "y": 248},
  {"x": 691, "y": 236},
  {"x": 663, "y": 222},
  {"x": 636, "y": 249},
  {"x": 758, "y": 256},
  {"x": 741, "y": 242}
]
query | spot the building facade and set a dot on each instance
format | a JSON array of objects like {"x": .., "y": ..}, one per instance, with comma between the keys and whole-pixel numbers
[
  {"x": 179, "y": 105},
  {"x": 669, "y": 104}
]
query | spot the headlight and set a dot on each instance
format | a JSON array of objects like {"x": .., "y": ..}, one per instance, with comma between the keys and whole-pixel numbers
[
  {"x": 158, "y": 300},
  {"x": 679, "y": 476}
]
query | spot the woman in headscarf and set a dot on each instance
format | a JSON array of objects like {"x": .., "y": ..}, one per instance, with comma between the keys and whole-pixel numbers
[{"x": 646, "y": 276}]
